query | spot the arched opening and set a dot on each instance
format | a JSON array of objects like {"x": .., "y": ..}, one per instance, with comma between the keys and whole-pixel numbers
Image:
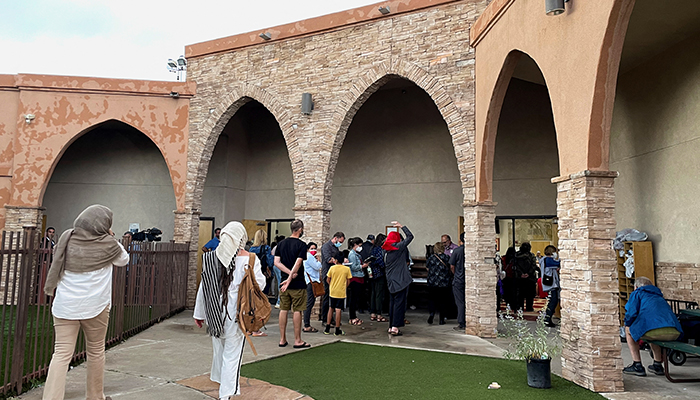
[
  {"x": 397, "y": 162},
  {"x": 525, "y": 160},
  {"x": 250, "y": 177},
  {"x": 118, "y": 166},
  {"x": 654, "y": 140}
]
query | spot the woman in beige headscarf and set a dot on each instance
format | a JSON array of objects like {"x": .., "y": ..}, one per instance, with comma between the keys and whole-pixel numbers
[
  {"x": 81, "y": 274},
  {"x": 222, "y": 272}
]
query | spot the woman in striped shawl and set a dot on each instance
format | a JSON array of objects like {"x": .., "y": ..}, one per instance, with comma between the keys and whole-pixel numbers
[{"x": 217, "y": 297}]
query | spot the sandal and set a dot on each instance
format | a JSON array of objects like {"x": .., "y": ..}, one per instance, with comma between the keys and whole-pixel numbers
[
  {"x": 406, "y": 322},
  {"x": 381, "y": 319},
  {"x": 310, "y": 329},
  {"x": 356, "y": 322},
  {"x": 259, "y": 334},
  {"x": 372, "y": 317},
  {"x": 397, "y": 333}
]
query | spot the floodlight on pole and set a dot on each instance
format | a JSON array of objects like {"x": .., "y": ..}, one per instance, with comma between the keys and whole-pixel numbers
[{"x": 178, "y": 67}]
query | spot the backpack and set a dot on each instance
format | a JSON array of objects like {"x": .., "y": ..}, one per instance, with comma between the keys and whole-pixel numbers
[
  {"x": 253, "y": 305},
  {"x": 263, "y": 258}
]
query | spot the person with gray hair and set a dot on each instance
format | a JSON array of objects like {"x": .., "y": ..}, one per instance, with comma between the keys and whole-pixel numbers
[{"x": 648, "y": 317}]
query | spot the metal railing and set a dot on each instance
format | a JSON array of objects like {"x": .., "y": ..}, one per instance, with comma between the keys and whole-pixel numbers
[{"x": 153, "y": 286}]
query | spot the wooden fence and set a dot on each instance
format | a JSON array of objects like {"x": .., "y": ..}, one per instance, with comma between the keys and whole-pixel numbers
[{"x": 153, "y": 286}]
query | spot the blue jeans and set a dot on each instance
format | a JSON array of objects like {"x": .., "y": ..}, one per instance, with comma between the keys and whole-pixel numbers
[
  {"x": 553, "y": 302},
  {"x": 278, "y": 275}
]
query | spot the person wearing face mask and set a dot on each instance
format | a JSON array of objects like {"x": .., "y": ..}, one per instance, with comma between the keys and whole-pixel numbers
[
  {"x": 330, "y": 255},
  {"x": 549, "y": 264},
  {"x": 289, "y": 258},
  {"x": 357, "y": 268},
  {"x": 312, "y": 269}
]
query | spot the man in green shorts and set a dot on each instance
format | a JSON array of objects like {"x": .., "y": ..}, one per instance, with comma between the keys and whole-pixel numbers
[
  {"x": 289, "y": 258},
  {"x": 648, "y": 317}
]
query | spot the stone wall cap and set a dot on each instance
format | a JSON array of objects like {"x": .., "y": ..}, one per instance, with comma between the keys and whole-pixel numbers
[
  {"x": 24, "y": 208},
  {"x": 310, "y": 26},
  {"x": 586, "y": 174},
  {"x": 303, "y": 208},
  {"x": 479, "y": 204},
  {"x": 98, "y": 85},
  {"x": 493, "y": 12}
]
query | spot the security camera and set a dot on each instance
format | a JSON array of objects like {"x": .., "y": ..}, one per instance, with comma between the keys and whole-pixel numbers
[{"x": 29, "y": 118}]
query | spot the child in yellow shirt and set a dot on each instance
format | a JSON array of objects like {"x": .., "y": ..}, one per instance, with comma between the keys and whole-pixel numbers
[{"x": 338, "y": 279}]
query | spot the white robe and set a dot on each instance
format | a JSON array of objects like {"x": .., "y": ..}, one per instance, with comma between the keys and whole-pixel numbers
[{"x": 228, "y": 349}]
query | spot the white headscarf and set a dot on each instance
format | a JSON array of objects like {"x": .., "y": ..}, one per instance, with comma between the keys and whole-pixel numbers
[{"x": 233, "y": 238}]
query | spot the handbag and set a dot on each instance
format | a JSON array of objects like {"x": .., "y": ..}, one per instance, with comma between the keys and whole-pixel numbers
[
  {"x": 317, "y": 287},
  {"x": 547, "y": 280}
]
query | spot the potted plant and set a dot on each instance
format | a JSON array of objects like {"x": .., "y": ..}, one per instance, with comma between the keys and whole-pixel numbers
[{"x": 533, "y": 347}]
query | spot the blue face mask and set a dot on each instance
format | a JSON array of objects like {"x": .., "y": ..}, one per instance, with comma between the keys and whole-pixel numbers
[{"x": 338, "y": 244}]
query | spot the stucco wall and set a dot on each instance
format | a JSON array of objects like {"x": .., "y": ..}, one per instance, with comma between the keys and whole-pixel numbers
[
  {"x": 397, "y": 163},
  {"x": 9, "y": 99},
  {"x": 119, "y": 167},
  {"x": 250, "y": 176},
  {"x": 655, "y": 147},
  {"x": 526, "y": 157}
]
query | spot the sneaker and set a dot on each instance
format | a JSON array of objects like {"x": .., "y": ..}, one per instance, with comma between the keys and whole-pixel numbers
[
  {"x": 327, "y": 331},
  {"x": 635, "y": 369},
  {"x": 339, "y": 332},
  {"x": 657, "y": 369},
  {"x": 277, "y": 306},
  {"x": 460, "y": 328}
]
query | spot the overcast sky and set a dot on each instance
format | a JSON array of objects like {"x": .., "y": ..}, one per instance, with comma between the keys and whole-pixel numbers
[{"x": 132, "y": 39}]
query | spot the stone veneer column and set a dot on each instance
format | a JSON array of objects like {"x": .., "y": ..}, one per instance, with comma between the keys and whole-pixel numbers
[
  {"x": 317, "y": 223},
  {"x": 187, "y": 230},
  {"x": 589, "y": 297},
  {"x": 17, "y": 218},
  {"x": 480, "y": 271}
]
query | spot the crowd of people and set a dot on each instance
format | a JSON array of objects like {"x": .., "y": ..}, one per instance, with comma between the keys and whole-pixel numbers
[{"x": 80, "y": 279}]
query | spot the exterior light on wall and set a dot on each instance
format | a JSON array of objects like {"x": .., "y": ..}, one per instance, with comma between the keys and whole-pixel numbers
[
  {"x": 307, "y": 103},
  {"x": 265, "y": 35},
  {"x": 29, "y": 118},
  {"x": 384, "y": 10},
  {"x": 175, "y": 95},
  {"x": 178, "y": 67},
  {"x": 554, "y": 7}
]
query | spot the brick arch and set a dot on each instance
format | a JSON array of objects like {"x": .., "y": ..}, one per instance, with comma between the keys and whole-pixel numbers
[
  {"x": 360, "y": 91},
  {"x": 70, "y": 140},
  {"x": 219, "y": 117}
]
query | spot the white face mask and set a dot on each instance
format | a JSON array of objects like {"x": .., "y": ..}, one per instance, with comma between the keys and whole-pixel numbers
[{"x": 359, "y": 248}]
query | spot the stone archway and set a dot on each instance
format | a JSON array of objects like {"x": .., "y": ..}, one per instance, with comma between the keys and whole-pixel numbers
[{"x": 363, "y": 88}]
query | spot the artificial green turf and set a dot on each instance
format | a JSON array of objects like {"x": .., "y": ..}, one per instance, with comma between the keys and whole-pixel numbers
[{"x": 351, "y": 371}]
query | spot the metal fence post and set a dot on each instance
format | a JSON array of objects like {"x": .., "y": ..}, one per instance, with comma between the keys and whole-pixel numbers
[{"x": 23, "y": 295}]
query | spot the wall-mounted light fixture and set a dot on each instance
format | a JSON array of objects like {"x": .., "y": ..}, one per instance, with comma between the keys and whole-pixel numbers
[
  {"x": 307, "y": 103},
  {"x": 175, "y": 95},
  {"x": 554, "y": 7},
  {"x": 29, "y": 118},
  {"x": 265, "y": 35},
  {"x": 384, "y": 10}
]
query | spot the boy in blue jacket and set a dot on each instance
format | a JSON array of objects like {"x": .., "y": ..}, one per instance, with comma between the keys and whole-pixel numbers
[{"x": 648, "y": 317}]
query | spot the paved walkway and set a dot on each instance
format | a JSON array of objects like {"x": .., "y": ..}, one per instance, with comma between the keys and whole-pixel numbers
[{"x": 172, "y": 360}]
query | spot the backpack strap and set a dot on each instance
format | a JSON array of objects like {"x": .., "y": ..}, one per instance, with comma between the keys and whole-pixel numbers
[{"x": 251, "y": 259}]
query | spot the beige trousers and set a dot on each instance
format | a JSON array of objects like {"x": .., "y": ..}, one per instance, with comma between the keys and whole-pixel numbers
[{"x": 67, "y": 330}]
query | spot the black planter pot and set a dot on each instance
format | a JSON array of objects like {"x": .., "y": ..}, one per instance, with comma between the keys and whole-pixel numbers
[{"x": 539, "y": 373}]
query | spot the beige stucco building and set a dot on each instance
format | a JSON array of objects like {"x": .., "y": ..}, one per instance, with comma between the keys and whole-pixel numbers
[{"x": 447, "y": 115}]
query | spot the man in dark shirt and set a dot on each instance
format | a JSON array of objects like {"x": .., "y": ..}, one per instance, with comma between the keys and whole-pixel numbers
[
  {"x": 364, "y": 294},
  {"x": 289, "y": 258},
  {"x": 329, "y": 257},
  {"x": 457, "y": 266}
]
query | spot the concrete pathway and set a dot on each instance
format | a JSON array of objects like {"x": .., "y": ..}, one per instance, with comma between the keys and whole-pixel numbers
[{"x": 172, "y": 360}]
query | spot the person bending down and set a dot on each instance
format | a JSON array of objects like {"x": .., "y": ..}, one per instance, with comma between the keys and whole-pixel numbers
[{"x": 648, "y": 317}]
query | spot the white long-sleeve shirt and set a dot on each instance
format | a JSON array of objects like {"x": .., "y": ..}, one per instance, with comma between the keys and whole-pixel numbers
[
  {"x": 312, "y": 268},
  {"x": 232, "y": 307},
  {"x": 84, "y": 295}
]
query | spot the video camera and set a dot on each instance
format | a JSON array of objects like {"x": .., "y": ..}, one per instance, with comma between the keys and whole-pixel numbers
[{"x": 148, "y": 235}]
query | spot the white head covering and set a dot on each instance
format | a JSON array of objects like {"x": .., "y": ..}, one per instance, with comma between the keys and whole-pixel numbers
[{"x": 233, "y": 238}]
